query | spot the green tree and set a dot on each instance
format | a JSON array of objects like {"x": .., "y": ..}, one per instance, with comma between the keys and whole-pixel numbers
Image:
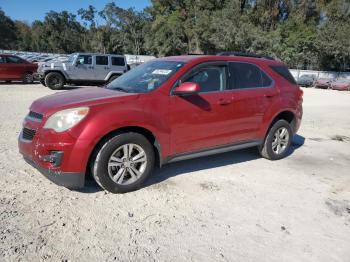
[{"x": 7, "y": 32}]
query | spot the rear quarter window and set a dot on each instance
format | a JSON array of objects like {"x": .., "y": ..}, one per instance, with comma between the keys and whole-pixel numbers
[
  {"x": 118, "y": 61},
  {"x": 284, "y": 72}
]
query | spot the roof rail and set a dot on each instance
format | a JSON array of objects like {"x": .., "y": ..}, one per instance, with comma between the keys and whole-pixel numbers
[
  {"x": 194, "y": 54},
  {"x": 229, "y": 53}
]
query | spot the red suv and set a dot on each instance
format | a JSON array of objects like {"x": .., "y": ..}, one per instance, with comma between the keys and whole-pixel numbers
[
  {"x": 163, "y": 111},
  {"x": 15, "y": 68}
]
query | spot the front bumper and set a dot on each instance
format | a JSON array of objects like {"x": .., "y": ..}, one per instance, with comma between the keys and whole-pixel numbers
[
  {"x": 66, "y": 179},
  {"x": 322, "y": 86},
  {"x": 60, "y": 159}
]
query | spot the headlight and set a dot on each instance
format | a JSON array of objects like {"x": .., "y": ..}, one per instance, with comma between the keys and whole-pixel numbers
[{"x": 65, "y": 119}]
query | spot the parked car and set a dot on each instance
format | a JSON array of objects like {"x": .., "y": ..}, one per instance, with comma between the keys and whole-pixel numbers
[
  {"x": 342, "y": 84},
  {"x": 323, "y": 83},
  {"x": 306, "y": 80},
  {"x": 14, "y": 68},
  {"x": 82, "y": 69},
  {"x": 163, "y": 111}
]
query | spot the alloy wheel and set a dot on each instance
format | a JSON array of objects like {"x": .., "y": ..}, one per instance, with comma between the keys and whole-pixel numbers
[
  {"x": 127, "y": 164},
  {"x": 280, "y": 140}
]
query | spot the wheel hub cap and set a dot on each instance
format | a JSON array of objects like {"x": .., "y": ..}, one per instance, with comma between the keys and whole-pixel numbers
[
  {"x": 127, "y": 164},
  {"x": 280, "y": 140}
]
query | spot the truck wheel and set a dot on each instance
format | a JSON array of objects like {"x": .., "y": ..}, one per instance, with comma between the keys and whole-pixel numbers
[
  {"x": 277, "y": 141},
  {"x": 123, "y": 163},
  {"x": 28, "y": 78},
  {"x": 54, "y": 80},
  {"x": 112, "y": 78},
  {"x": 42, "y": 81}
]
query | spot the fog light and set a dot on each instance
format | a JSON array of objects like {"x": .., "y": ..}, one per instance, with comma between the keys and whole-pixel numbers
[{"x": 55, "y": 158}]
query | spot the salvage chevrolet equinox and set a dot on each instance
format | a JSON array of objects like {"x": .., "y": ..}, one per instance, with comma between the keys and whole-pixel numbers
[{"x": 163, "y": 111}]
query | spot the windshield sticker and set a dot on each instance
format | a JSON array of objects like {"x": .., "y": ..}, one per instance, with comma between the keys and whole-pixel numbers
[{"x": 161, "y": 72}]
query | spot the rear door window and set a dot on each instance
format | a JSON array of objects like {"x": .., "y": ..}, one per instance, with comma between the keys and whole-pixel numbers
[
  {"x": 118, "y": 61},
  {"x": 246, "y": 75},
  {"x": 101, "y": 60},
  {"x": 13, "y": 60}
]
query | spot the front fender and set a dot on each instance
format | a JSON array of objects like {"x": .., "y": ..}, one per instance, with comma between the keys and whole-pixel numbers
[{"x": 102, "y": 122}]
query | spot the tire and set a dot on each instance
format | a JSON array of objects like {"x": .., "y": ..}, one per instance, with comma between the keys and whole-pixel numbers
[
  {"x": 42, "y": 81},
  {"x": 110, "y": 163},
  {"x": 270, "y": 151},
  {"x": 28, "y": 78},
  {"x": 112, "y": 78},
  {"x": 54, "y": 81}
]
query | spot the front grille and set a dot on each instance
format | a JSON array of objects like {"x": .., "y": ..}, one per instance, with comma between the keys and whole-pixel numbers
[
  {"x": 35, "y": 115},
  {"x": 28, "y": 134}
]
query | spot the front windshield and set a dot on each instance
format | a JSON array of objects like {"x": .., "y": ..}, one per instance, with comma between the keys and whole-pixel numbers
[
  {"x": 343, "y": 81},
  {"x": 306, "y": 76},
  {"x": 146, "y": 77},
  {"x": 71, "y": 58}
]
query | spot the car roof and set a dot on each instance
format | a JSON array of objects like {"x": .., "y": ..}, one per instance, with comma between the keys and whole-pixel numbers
[
  {"x": 203, "y": 58},
  {"x": 78, "y": 53},
  {"x": 7, "y": 55}
]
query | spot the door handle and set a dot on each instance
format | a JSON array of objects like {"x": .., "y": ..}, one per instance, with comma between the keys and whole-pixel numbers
[
  {"x": 270, "y": 95},
  {"x": 225, "y": 101},
  {"x": 91, "y": 67}
]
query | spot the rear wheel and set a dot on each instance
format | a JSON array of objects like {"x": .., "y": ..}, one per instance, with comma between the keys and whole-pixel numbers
[
  {"x": 28, "y": 78},
  {"x": 54, "y": 81},
  {"x": 123, "y": 163},
  {"x": 277, "y": 141}
]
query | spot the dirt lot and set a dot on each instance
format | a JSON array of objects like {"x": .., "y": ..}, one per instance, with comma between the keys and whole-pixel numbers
[{"x": 230, "y": 207}]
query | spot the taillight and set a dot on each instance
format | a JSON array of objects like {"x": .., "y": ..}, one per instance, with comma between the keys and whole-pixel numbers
[{"x": 301, "y": 93}]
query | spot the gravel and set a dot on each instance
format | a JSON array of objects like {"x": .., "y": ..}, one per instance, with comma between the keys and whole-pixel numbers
[{"x": 229, "y": 207}]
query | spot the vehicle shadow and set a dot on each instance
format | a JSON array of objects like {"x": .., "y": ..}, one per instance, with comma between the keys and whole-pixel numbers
[
  {"x": 198, "y": 164},
  {"x": 214, "y": 161},
  {"x": 18, "y": 83}
]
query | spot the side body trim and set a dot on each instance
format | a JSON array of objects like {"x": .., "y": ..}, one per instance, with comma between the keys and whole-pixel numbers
[{"x": 213, "y": 151}]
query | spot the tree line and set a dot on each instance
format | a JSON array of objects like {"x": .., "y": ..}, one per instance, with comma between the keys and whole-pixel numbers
[{"x": 306, "y": 34}]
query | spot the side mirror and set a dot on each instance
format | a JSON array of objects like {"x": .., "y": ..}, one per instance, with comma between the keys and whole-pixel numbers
[
  {"x": 77, "y": 62},
  {"x": 186, "y": 89}
]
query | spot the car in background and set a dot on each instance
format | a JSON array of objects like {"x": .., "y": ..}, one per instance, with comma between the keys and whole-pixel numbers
[
  {"x": 82, "y": 69},
  {"x": 342, "y": 84},
  {"x": 14, "y": 68},
  {"x": 306, "y": 80},
  {"x": 323, "y": 83}
]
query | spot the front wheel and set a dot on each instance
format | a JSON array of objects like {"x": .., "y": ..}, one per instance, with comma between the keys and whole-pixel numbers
[
  {"x": 28, "y": 78},
  {"x": 277, "y": 141},
  {"x": 112, "y": 78},
  {"x": 54, "y": 81},
  {"x": 123, "y": 163}
]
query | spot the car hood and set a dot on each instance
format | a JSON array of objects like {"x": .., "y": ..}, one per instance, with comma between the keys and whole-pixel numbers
[
  {"x": 340, "y": 84},
  {"x": 323, "y": 81},
  {"x": 80, "y": 97},
  {"x": 53, "y": 65},
  {"x": 305, "y": 80}
]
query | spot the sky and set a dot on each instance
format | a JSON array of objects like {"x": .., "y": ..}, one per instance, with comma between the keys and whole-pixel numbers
[{"x": 30, "y": 10}]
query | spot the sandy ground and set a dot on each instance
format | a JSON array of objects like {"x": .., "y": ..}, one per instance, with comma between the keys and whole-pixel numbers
[{"x": 230, "y": 207}]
